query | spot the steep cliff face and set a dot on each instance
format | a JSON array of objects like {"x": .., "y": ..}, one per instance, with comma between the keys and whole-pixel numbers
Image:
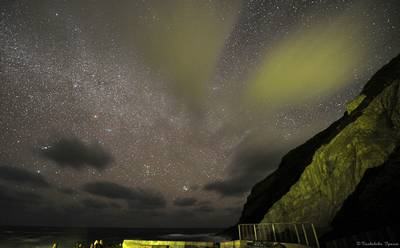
[
  {"x": 314, "y": 180},
  {"x": 374, "y": 203}
]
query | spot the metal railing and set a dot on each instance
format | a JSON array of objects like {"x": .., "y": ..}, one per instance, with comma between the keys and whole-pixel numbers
[{"x": 298, "y": 233}]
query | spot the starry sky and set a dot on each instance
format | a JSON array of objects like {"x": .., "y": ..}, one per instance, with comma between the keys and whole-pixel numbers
[{"x": 166, "y": 113}]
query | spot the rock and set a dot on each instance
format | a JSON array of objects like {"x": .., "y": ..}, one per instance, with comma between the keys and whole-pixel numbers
[
  {"x": 315, "y": 181},
  {"x": 373, "y": 204},
  {"x": 351, "y": 106}
]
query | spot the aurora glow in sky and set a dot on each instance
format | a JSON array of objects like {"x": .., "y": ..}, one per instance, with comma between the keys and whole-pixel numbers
[{"x": 166, "y": 113}]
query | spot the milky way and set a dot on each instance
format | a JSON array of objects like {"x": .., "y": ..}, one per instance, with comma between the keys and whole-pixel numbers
[{"x": 100, "y": 110}]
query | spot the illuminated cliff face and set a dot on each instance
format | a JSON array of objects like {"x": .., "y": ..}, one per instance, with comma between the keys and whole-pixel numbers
[
  {"x": 314, "y": 180},
  {"x": 338, "y": 167}
]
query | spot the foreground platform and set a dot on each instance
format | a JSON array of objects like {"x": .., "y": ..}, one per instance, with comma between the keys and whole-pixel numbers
[{"x": 195, "y": 244}]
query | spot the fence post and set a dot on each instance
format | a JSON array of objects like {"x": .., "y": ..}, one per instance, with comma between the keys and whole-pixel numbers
[
  {"x": 255, "y": 232},
  {"x": 273, "y": 232},
  {"x": 305, "y": 234},
  {"x": 297, "y": 234},
  {"x": 315, "y": 235},
  {"x": 240, "y": 234}
]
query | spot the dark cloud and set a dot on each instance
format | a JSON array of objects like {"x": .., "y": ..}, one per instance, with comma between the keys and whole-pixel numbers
[
  {"x": 248, "y": 168},
  {"x": 185, "y": 201},
  {"x": 205, "y": 209},
  {"x": 205, "y": 202},
  {"x": 10, "y": 198},
  {"x": 233, "y": 210},
  {"x": 22, "y": 176},
  {"x": 95, "y": 204},
  {"x": 150, "y": 202},
  {"x": 76, "y": 154},
  {"x": 136, "y": 198},
  {"x": 230, "y": 187},
  {"x": 114, "y": 205},
  {"x": 108, "y": 190},
  {"x": 67, "y": 191}
]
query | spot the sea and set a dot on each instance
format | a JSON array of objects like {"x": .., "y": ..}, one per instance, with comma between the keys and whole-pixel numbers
[{"x": 45, "y": 237}]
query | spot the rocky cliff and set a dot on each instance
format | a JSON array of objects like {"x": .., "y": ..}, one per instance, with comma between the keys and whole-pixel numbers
[{"x": 341, "y": 170}]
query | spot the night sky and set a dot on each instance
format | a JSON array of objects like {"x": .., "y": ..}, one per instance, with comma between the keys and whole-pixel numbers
[{"x": 166, "y": 113}]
